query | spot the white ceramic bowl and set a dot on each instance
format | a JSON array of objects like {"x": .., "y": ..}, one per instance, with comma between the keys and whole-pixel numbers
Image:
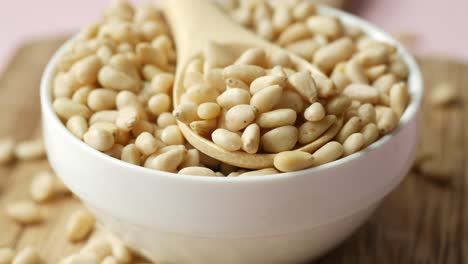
[{"x": 286, "y": 218}]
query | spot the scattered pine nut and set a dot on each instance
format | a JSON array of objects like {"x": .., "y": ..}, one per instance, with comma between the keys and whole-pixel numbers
[
  {"x": 42, "y": 186},
  {"x": 24, "y": 212},
  {"x": 443, "y": 94},
  {"x": 79, "y": 225},
  {"x": 30, "y": 150}
]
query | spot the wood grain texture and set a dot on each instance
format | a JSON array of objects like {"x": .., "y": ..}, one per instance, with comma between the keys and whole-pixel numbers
[{"x": 422, "y": 221}]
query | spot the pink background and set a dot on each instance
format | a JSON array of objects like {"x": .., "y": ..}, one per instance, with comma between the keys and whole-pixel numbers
[{"x": 441, "y": 25}]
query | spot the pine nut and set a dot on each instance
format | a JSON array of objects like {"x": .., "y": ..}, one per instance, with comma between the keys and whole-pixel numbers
[
  {"x": 251, "y": 138},
  {"x": 193, "y": 78},
  {"x": 111, "y": 78},
  {"x": 42, "y": 186},
  {"x": 374, "y": 72},
  {"x": 131, "y": 154},
  {"x": 99, "y": 139},
  {"x": 315, "y": 112},
  {"x": 293, "y": 160},
  {"x": 191, "y": 159},
  {"x": 146, "y": 143},
  {"x": 329, "y": 55},
  {"x": 384, "y": 83},
  {"x": 171, "y": 135},
  {"x": 97, "y": 246},
  {"x": 279, "y": 59},
  {"x": 66, "y": 108},
  {"x": 167, "y": 161},
  {"x": 204, "y": 127},
  {"x": 6, "y": 255},
  {"x": 159, "y": 103},
  {"x": 325, "y": 25},
  {"x": 166, "y": 119},
  {"x": 24, "y": 212},
  {"x": 338, "y": 105},
  {"x": 304, "y": 48},
  {"x": 370, "y": 133},
  {"x": 387, "y": 120},
  {"x": 127, "y": 118},
  {"x": 86, "y": 69},
  {"x": 245, "y": 73},
  {"x": 265, "y": 99},
  {"x": 352, "y": 126},
  {"x": 339, "y": 77},
  {"x": 119, "y": 251},
  {"x": 162, "y": 82},
  {"x": 7, "y": 150},
  {"x": 279, "y": 139},
  {"x": 362, "y": 92},
  {"x": 367, "y": 114},
  {"x": 292, "y": 100},
  {"x": 353, "y": 143},
  {"x": 261, "y": 172},
  {"x": 214, "y": 78},
  {"x": 327, "y": 153},
  {"x": 398, "y": 67},
  {"x": 79, "y": 225},
  {"x": 325, "y": 87},
  {"x": 399, "y": 98},
  {"x": 226, "y": 139},
  {"x": 149, "y": 72},
  {"x": 303, "y": 83},
  {"x": 310, "y": 131},
  {"x": 77, "y": 126},
  {"x": 277, "y": 118},
  {"x": 80, "y": 96},
  {"x": 239, "y": 116},
  {"x": 355, "y": 72},
  {"x": 252, "y": 56},
  {"x": 101, "y": 99},
  {"x": 208, "y": 110},
  {"x": 282, "y": 18},
  {"x": 151, "y": 55},
  {"x": 232, "y": 97},
  {"x": 103, "y": 116},
  {"x": 197, "y": 171},
  {"x": 201, "y": 93},
  {"x": 65, "y": 84},
  {"x": 373, "y": 56},
  {"x": 126, "y": 98},
  {"x": 236, "y": 83},
  {"x": 27, "y": 255},
  {"x": 266, "y": 81},
  {"x": 293, "y": 33},
  {"x": 30, "y": 150},
  {"x": 443, "y": 94},
  {"x": 186, "y": 112}
]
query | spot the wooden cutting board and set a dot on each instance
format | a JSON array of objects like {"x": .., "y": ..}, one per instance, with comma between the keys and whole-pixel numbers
[{"x": 422, "y": 221}]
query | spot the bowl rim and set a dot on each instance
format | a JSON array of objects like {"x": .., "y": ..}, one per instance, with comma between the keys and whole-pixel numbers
[{"x": 415, "y": 85}]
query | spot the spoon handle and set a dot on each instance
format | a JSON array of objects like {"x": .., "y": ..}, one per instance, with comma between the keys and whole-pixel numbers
[{"x": 196, "y": 23}]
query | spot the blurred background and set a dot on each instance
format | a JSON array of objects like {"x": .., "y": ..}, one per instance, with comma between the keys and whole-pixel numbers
[{"x": 435, "y": 28}]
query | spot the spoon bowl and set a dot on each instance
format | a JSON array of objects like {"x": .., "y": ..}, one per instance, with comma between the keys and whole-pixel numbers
[{"x": 186, "y": 19}]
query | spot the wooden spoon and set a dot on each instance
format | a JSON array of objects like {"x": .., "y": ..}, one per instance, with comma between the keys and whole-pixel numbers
[{"x": 195, "y": 24}]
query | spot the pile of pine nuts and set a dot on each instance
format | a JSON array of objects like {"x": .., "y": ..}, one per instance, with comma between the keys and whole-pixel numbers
[
  {"x": 259, "y": 103},
  {"x": 114, "y": 90}
]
